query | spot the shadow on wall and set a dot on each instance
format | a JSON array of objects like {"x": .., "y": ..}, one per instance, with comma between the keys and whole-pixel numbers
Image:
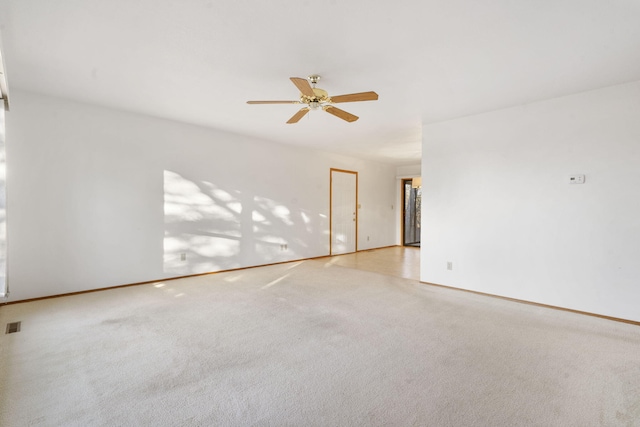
[{"x": 208, "y": 228}]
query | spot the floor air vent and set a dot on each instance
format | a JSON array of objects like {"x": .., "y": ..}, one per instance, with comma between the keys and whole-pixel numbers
[{"x": 13, "y": 327}]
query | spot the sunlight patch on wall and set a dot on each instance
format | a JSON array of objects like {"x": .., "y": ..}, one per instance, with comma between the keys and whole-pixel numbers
[
  {"x": 306, "y": 222},
  {"x": 211, "y": 246},
  {"x": 276, "y": 240},
  {"x": 202, "y": 226},
  {"x": 258, "y": 217},
  {"x": 305, "y": 218},
  {"x": 208, "y": 228},
  {"x": 283, "y": 213},
  {"x": 235, "y": 207},
  {"x": 275, "y": 210},
  {"x": 185, "y": 201},
  {"x": 174, "y": 244}
]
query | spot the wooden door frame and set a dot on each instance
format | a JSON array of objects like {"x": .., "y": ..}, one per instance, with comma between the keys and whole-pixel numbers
[
  {"x": 331, "y": 171},
  {"x": 403, "y": 212}
]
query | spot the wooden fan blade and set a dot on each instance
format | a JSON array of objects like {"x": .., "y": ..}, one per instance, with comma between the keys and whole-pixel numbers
[
  {"x": 297, "y": 116},
  {"x": 273, "y": 102},
  {"x": 341, "y": 114},
  {"x": 353, "y": 97},
  {"x": 303, "y": 86}
]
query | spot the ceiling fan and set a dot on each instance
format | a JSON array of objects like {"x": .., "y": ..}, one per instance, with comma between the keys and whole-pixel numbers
[{"x": 315, "y": 99}]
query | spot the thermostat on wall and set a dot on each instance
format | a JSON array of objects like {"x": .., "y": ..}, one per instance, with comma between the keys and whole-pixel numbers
[{"x": 576, "y": 179}]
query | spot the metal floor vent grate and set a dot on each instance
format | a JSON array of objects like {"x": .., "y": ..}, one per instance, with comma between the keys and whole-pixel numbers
[{"x": 13, "y": 327}]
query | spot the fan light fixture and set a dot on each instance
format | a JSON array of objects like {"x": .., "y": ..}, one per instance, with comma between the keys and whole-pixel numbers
[{"x": 314, "y": 98}]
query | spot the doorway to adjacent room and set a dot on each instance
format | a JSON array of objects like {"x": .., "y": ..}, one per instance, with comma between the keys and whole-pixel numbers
[{"x": 412, "y": 201}]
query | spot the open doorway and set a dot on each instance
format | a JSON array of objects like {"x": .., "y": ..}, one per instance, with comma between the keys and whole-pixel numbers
[{"x": 412, "y": 201}]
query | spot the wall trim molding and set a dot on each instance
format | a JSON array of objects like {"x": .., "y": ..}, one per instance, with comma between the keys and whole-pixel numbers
[
  {"x": 68, "y": 294},
  {"x": 553, "y": 307}
]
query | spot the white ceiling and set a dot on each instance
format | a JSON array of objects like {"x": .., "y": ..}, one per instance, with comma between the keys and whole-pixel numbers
[{"x": 199, "y": 61}]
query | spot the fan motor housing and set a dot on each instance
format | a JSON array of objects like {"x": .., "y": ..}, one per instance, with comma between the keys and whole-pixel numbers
[{"x": 321, "y": 96}]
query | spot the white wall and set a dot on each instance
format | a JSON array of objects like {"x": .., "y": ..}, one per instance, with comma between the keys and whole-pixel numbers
[
  {"x": 100, "y": 198},
  {"x": 497, "y": 202},
  {"x": 408, "y": 171},
  {"x": 3, "y": 210}
]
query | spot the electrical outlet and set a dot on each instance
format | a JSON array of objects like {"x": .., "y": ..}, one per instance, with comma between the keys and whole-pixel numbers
[
  {"x": 183, "y": 257},
  {"x": 367, "y": 238},
  {"x": 449, "y": 265}
]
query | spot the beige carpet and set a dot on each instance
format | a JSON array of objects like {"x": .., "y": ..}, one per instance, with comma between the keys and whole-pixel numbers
[{"x": 312, "y": 344}]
